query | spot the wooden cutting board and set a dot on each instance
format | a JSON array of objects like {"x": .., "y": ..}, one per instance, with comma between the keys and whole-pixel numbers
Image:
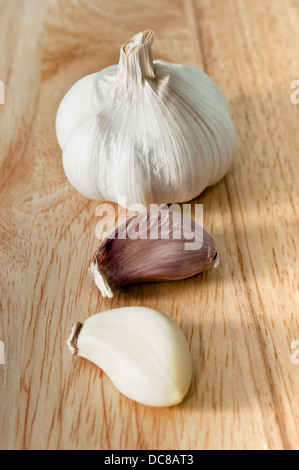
[{"x": 239, "y": 320}]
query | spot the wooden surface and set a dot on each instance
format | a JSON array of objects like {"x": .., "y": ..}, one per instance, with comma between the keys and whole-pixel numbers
[{"x": 239, "y": 320}]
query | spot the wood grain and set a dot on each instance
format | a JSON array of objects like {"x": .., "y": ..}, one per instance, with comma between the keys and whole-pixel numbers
[{"x": 239, "y": 320}]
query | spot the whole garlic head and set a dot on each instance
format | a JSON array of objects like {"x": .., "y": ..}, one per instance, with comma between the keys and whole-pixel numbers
[{"x": 152, "y": 131}]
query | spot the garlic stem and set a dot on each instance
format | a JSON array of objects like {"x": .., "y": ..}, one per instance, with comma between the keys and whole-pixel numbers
[{"x": 136, "y": 59}]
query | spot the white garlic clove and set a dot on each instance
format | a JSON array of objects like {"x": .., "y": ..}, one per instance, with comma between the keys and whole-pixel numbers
[
  {"x": 169, "y": 247},
  {"x": 152, "y": 131},
  {"x": 142, "y": 351}
]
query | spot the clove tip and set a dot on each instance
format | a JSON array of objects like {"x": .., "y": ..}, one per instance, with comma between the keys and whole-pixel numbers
[{"x": 216, "y": 261}]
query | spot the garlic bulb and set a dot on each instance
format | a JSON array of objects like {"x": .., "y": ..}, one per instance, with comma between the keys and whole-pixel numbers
[
  {"x": 159, "y": 245},
  {"x": 154, "y": 132},
  {"x": 142, "y": 351}
]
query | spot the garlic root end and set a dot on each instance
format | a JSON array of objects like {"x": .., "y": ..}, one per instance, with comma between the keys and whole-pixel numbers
[
  {"x": 73, "y": 339},
  {"x": 100, "y": 280}
]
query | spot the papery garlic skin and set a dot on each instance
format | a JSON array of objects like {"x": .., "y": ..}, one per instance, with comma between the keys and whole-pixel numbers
[
  {"x": 142, "y": 350},
  {"x": 152, "y": 131},
  {"x": 123, "y": 259}
]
